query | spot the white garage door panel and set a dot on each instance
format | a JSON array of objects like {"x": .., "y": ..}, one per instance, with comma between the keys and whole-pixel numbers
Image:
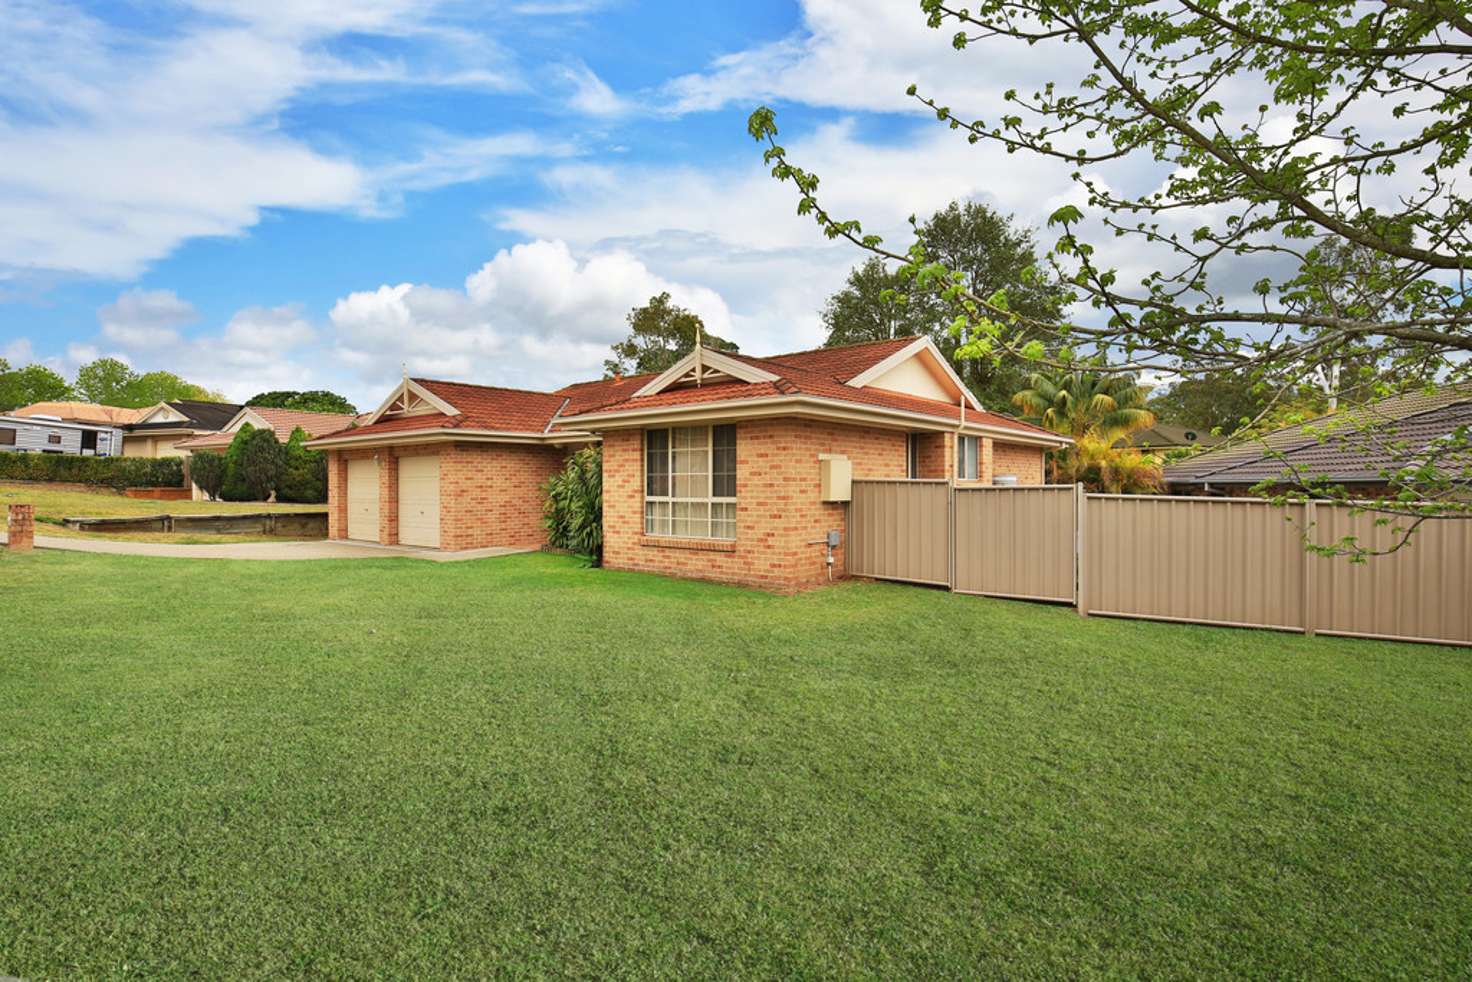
[
  {"x": 419, "y": 501},
  {"x": 363, "y": 500}
]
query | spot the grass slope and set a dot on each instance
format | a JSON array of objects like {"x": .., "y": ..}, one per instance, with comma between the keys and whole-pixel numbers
[
  {"x": 53, "y": 505},
  {"x": 520, "y": 766}
]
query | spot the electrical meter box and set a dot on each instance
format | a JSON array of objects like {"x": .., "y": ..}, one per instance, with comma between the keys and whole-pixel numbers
[{"x": 836, "y": 477}]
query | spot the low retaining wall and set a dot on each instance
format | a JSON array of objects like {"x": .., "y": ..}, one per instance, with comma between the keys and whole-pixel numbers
[{"x": 299, "y": 524}]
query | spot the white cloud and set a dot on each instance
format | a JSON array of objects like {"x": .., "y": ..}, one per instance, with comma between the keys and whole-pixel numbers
[
  {"x": 114, "y": 150},
  {"x": 18, "y": 352},
  {"x": 534, "y": 316},
  {"x": 590, "y": 94},
  {"x": 145, "y": 318}
]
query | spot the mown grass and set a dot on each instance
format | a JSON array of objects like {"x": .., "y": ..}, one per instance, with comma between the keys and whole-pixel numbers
[
  {"x": 53, "y": 505},
  {"x": 520, "y": 766}
]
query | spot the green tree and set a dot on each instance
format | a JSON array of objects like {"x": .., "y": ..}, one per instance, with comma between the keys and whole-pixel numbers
[
  {"x": 1279, "y": 128},
  {"x": 261, "y": 462},
  {"x": 660, "y": 334},
  {"x": 992, "y": 253},
  {"x": 303, "y": 471},
  {"x": 310, "y": 401},
  {"x": 207, "y": 469},
  {"x": 233, "y": 487},
  {"x": 107, "y": 381},
  {"x": 1078, "y": 404},
  {"x": 152, "y": 388},
  {"x": 33, "y": 383}
]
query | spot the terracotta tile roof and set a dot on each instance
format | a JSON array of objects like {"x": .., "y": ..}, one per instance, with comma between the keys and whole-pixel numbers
[
  {"x": 83, "y": 412},
  {"x": 281, "y": 421},
  {"x": 819, "y": 373}
]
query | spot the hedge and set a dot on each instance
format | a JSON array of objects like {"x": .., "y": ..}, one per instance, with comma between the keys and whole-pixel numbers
[{"x": 112, "y": 472}]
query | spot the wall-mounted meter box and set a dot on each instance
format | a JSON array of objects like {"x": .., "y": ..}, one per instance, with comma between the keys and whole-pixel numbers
[{"x": 836, "y": 477}]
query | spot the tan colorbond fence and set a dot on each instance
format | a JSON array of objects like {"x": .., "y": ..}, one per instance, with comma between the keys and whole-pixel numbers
[
  {"x": 1015, "y": 542},
  {"x": 1224, "y": 561},
  {"x": 901, "y": 530}
]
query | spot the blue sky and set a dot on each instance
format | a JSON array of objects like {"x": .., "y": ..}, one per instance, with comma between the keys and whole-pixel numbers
[{"x": 292, "y": 195}]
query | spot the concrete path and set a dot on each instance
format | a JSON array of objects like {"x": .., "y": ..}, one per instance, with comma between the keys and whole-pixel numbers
[{"x": 314, "y": 549}]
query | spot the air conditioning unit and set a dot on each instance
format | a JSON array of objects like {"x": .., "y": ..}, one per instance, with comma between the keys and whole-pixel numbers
[{"x": 1005, "y": 480}]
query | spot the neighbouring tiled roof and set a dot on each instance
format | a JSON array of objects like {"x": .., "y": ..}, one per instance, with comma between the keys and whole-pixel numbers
[
  {"x": 820, "y": 373},
  {"x": 1355, "y": 445},
  {"x": 82, "y": 412},
  {"x": 282, "y": 423}
]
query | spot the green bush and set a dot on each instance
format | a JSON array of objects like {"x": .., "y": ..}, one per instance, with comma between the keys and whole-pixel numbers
[
  {"x": 111, "y": 472},
  {"x": 573, "y": 510},
  {"x": 233, "y": 488},
  {"x": 207, "y": 468},
  {"x": 261, "y": 463},
  {"x": 304, "y": 474}
]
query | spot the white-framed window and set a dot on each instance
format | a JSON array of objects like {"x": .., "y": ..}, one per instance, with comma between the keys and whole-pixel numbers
[
  {"x": 968, "y": 458},
  {"x": 912, "y": 455},
  {"x": 690, "y": 482}
]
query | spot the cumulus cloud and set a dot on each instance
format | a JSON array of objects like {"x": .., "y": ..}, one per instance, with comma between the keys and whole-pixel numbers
[
  {"x": 534, "y": 316},
  {"x": 145, "y": 318},
  {"x": 116, "y": 152}
]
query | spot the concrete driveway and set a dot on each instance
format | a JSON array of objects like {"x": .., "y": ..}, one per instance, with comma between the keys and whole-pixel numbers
[{"x": 315, "y": 549}]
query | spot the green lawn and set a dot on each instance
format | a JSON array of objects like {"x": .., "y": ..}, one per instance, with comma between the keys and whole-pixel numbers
[
  {"x": 520, "y": 766},
  {"x": 53, "y": 505}
]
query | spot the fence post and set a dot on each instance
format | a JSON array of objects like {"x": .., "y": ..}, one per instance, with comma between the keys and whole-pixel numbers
[
  {"x": 1310, "y": 615},
  {"x": 951, "y": 535},
  {"x": 1080, "y": 593}
]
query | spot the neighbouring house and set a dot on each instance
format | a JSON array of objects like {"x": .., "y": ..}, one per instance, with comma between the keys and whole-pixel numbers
[
  {"x": 161, "y": 428},
  {"x": 726, "y": 467},
  {"x": 1170, "y": 436},
  {"x": 1354, "y": 447},
  {"x": 82, "y": 412},
  {"x": 281, "y": 422},
  {"x": 46, "y": 434}
]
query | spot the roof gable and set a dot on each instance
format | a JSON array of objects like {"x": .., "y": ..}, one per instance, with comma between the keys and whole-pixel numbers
[
  {"x": 410, "y": 398},
  {"x": 917, "y": 369},
  {"x": 704, "y": 366}
]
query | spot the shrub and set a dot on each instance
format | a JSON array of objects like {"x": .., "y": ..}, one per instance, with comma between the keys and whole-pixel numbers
[
  {"x": 111, "y": 472},
  {"x": 261, "y": 463},
  {"x": 233, "y": 488},
  {"x": 573, "y": 510},
  {"x": 304, "y": 473},
  {"x": 207, "y": 468}
]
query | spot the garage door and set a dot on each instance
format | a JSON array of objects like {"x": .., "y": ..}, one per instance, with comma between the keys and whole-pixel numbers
[
  {"x": 419, "y": 501},
  {"x": 363, "y": 500}
]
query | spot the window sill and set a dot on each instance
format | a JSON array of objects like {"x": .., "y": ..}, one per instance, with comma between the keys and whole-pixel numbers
[{"x": 697, "y": 545}]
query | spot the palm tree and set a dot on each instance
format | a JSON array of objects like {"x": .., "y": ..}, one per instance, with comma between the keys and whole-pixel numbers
[
  {"x": 1100, "y": 466},
  {"x": 1078, "y": 404}
]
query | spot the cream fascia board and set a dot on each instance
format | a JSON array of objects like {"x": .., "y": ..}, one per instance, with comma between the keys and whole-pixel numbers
[
  {"x": 446, "y": 435},
  {"x": 905, "y": 354},
  {"x": 763, "y": 406},
  {"x": 404, "y": 388},
  {"x": 732, "y": 367}
]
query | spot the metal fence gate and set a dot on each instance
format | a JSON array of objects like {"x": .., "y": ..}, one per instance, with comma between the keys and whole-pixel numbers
[{"x": 1226, "y": 561}]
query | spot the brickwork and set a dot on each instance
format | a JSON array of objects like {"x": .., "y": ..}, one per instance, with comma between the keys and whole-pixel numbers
[
  {"x": 337, "y": 497},
  {"x": 388, "y": 496},
  {"x": 1017, "y": 458},
  {"x": 491, "y": 494},
  {"x": 779, "y": 517},
  {"x": 937, "y": 455},
  {"x": 21, "y": 533}
]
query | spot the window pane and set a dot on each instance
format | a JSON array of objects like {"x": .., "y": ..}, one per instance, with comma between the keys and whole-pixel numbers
[
  {"x": 692, "y": 462},
  {"x": 723, "y": 520},
  {"x": 691, "y": 519},
  {"x": 723, "y": 460},
  {"x": 657, "y": 463},
  {"x": 656, "y": 518}
]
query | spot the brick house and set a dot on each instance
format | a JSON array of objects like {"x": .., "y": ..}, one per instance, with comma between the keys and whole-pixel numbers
[{"x": 713, "y": 469}]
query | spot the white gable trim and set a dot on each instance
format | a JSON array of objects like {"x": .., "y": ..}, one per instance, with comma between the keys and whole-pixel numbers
[
  {"x": 905, "y": 354},
  {"x": 163, "y": 407},
  {"x": 706, "y": 360},
  {"x": 404, "y": 390}
]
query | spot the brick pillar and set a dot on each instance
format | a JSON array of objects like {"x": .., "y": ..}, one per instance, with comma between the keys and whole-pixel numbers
[
  {"x": 388, "y": 497},
  {"x": 337, "y": 495},
  {"x": 22, "y": 528},
  {"x": 985, "y": 468}
]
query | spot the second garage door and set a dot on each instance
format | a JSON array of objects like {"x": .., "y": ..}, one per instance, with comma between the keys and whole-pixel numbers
[{"x": 419, "y": 501}]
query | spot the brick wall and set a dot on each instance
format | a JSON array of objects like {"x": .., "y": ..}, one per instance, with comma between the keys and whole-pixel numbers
[
  {"x": 1017, "y": 458},
  {"x": 337, "y": 497},
  {"x": 491, "y": 494},
  {"x": 937, "y": 455},
  {"x": 779, "y": 516}
]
